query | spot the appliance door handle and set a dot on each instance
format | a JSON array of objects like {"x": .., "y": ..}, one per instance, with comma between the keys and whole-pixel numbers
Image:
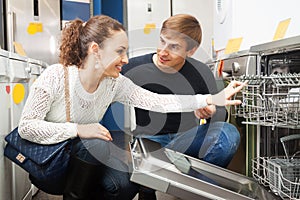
[
  {"x": 36, "y": 9},
  {"x": 11, "y": 24}
]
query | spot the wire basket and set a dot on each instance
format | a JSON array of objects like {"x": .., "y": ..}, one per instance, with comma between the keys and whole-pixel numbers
[
  {"x": 270, "y": 100},
  {"x": 284, "y": 177},
  {"x": 280, "y": 174}
]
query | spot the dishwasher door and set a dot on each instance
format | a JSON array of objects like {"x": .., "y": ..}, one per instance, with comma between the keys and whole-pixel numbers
[{"x": 188, "y": 178}]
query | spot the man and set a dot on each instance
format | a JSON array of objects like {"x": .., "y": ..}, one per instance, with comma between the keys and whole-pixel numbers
[{"x": 171, "y": 70}]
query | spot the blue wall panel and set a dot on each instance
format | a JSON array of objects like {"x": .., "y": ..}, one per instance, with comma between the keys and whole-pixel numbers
[
  {"x": 72, "y": 10},
  {"x": 97, "y": 7},
  {"x": 113, "y": 8}
]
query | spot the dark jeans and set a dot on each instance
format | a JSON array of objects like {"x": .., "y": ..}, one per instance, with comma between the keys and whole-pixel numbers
[
  {"x": 115, "y": 180},
  {"x": 215, "y": 143}
]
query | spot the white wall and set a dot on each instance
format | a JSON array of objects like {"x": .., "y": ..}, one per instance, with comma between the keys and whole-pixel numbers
[{"x": 256, "y": 21}]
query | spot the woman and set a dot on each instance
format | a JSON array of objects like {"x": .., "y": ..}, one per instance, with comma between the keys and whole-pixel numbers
[{"x": 94, "y": 53}]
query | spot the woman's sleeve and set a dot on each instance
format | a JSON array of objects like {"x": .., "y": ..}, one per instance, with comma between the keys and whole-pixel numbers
[
  {"x": 130, "y": 94},
  {"x": 33, "y": 126}
]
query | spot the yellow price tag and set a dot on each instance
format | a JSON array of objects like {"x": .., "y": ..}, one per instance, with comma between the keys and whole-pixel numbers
[
  {"x": 19, "y": 49},
  {"x": 34, "y": 27},
  {"x": 233, "y": 45},
  {"x": 281, "y": 29},
  {"x": 148, "y": 27},
  {"x": 18, "y": 93}
]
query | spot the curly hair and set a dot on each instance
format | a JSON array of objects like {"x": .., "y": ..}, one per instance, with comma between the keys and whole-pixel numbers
[{"x": 77, "y": 35}]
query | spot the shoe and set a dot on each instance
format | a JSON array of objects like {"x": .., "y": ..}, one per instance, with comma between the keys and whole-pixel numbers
[{"x": 146, "y": 194}]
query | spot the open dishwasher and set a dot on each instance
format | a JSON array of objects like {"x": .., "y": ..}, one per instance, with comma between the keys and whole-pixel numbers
[
  {"x": 188, "y": 178},
  {"x": 271, "y": 103}
]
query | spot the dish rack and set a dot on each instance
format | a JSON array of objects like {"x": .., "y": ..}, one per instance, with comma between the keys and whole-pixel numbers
[
  {"x": 272, "y": 100},
  {"x": 280, "y": 174}
]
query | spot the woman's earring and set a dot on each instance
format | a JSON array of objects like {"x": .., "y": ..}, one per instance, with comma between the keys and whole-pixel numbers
[{"x": 97, "y": 65}]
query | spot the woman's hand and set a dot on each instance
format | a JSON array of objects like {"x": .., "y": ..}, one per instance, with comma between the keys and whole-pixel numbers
[
  {"x": 95, "y": 130},
  {"x": 223, "y": 97}
]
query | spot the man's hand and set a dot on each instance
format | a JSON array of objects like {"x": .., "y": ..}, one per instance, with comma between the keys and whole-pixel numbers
[{"x": 205, "y": 113}]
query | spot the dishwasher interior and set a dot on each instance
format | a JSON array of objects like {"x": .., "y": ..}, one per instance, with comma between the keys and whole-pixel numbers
[{"x": 271, "y": 106}]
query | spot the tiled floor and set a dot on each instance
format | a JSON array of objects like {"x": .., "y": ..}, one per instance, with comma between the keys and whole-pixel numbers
[{"x": 43, "y": 196}]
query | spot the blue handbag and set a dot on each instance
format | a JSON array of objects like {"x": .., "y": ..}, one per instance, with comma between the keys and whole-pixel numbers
[{"x": 44, "y": 162}]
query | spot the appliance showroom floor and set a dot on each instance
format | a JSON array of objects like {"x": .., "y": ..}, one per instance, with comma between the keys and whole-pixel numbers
[{"x": 43, "y": 196}]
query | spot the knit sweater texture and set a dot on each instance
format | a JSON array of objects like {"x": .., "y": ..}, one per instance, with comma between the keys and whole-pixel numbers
[{"x": 43, "y": 118}]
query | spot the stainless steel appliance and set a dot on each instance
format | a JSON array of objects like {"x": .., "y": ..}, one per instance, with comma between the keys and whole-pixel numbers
[
  {"x": 279, "y": 66},
  {"x": 2, "y": 29},
  {"x": 17, "y": 73},
  {"x": 189, "y": 178},
  {"x": 143, "y": 20},
  {"x": 14, "y": 182},
  {"x": 21, "y": 72},
  {"x": 36, "y": 25},
  {"x": 229, "y": 67},
  {"x": 271, "y": 106},
  {"x": 18, "y": 82},
  {"x": 5, "y": 165}
]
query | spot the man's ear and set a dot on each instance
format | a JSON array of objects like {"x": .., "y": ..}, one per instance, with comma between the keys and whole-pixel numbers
[{"x": 192, "y": 51}]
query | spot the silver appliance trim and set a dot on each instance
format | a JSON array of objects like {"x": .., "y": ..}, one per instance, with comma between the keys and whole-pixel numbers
[
  {"x": 189, "y": 178},
  {"x": 278, "y": 46}
]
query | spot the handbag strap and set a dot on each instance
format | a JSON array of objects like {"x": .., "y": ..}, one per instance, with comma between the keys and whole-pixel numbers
[{"x": 67, "y": 94}]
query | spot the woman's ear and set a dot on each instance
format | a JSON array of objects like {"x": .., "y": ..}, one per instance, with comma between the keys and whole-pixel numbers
[{"x": 94, "y": 47}]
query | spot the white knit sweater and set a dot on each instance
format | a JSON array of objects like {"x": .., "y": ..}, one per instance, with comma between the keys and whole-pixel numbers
[{"x": 44, "y": 116}]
